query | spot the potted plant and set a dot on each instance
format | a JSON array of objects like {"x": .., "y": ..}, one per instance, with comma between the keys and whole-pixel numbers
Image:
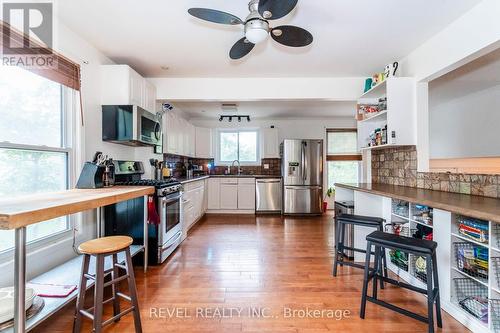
[{"x": 329, "y": 193}]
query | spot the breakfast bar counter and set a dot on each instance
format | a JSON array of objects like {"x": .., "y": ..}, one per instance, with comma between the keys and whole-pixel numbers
[
  {"x": 19, "y": 212},
  {"x": 466, "y": 229},
  {"x": 470, "y": 205}
]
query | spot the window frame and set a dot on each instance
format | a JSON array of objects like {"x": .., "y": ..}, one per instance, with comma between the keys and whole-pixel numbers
[
  {"x": 218, "y": 133},
  {"x": 341, "y": 157},
  {"x": 69, "y": 141}
]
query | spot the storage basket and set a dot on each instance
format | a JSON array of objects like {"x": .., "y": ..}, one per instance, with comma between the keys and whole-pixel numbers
[
  {"x": 419, "y": 267},
  {"x": 401, "y": 208},
  {"x": 495, "y": 314},
  {"x": 474, "y": 229},
  {"x": 471, "y": 296},
  {"x": 496, "y": 270},
  {"x": 472, "y": 259},
  {"x": 399, "y": 258}
]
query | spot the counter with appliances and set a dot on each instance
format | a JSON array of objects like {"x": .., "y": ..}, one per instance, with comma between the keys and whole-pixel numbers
[
  {"x": 165, "y": 217},
  {"x": 20, "y": 212}
]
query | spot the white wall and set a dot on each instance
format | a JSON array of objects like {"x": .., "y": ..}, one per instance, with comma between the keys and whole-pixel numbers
[
  {"x": 466, "y": 126},
  {"x": 292, "y": 128},
  {"x": 258, "y": 89},
  {"x": 474, "y": 34},
  {"x": 72, "y": 46}
]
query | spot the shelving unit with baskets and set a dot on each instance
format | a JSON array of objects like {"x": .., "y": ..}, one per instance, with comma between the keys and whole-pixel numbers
[
  {"x": 409, "y": 220},
  {"x": 475, "y": 270}
]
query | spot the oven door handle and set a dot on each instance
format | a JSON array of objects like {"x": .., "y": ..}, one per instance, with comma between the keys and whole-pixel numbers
[
  {"x": 165, "y": 201},
  {"x": 176, "y": 238}
]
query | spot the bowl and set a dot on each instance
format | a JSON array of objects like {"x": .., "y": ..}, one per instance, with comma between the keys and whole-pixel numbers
[{"x": 7, "y": 302}]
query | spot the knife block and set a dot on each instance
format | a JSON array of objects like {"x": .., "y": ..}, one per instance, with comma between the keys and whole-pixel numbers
[{"x": 91, "y": 176}]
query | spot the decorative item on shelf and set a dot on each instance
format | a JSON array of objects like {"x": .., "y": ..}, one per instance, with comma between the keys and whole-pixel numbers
[
  {"x": 368, "y": 84},
  {"x": 391, "y": 70},
  {"x": 382, "y": 104}
]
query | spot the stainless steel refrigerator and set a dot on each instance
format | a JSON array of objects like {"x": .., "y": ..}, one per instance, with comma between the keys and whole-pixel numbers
[{"x": 302, "y": 170}]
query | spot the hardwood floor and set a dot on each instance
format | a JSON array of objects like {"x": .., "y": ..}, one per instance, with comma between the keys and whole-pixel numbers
[{"x": 267, "y": 264}]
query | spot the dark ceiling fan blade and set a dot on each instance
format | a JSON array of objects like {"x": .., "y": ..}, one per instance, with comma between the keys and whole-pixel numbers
[
  {"x": 241, "y": 49},
  {"x": 215, "y": 16},
  {"x": 275, "y": 9},
  {"x": 290, "y": 35}
]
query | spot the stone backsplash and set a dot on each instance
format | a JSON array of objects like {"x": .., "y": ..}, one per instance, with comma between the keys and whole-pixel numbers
[{"x": 398, "y": 166}]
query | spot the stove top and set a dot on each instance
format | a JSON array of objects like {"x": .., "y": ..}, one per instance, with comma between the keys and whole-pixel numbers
[{"x": 159, "y": 184}]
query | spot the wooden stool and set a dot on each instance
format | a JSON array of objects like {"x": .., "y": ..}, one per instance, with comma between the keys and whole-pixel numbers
[{"x": 100, "y": 249}]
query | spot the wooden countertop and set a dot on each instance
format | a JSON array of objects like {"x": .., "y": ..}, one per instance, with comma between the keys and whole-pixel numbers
[
  {"x": 463, "y": 204},
  {"x": 25, "y": 210}
]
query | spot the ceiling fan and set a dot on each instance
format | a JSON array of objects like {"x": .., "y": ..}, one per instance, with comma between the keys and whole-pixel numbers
[{"x": 257, "y": 25}]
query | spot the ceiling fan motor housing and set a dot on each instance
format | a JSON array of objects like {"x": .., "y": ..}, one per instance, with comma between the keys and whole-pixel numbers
[{"x": 256, "y": 28}]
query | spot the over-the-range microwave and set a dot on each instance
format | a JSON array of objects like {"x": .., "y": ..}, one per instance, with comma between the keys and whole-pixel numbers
[{"x": 131, "y": 125}]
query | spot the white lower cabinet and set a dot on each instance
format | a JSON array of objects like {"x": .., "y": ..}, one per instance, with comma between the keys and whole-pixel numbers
[
  {"x": 228, "y": 195},
  {"x": 213, "y": 194},
  {"x": 231, "y": 194},
  {"x": 193, "y": 207},
  {"x": 246, "y": 193}
]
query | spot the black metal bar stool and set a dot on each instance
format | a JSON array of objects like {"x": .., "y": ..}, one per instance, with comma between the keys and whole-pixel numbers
[
  {"x": 420, "y": 247},
  {"x": 365, "y": 221},
  {"x": 101, "y": 248}
]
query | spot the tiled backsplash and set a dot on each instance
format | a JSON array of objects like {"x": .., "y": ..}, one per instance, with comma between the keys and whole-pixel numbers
[
  {"x": 273, "y": 163},
  {"x": 398, "y": 166}
]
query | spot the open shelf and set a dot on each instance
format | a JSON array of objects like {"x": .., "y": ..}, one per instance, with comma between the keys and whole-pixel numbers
[
  {"x": 67, "y": 273},
  {"x": 377, "y": 116},
  {"x": 376, "y": 91},
  {"x": 469, "y": 240}
]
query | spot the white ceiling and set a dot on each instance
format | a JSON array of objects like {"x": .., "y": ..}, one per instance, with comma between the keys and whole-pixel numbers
[
  {"x": 352, "y": 37},
  {"x": 271, "y": 109},
  {"x": 478, "y": 75}
]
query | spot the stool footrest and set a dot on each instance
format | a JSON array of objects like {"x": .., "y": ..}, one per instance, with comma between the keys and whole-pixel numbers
[
  {"x": 118, "y": 316},
  {"x": 400, "y": 284},
  {"x": 114, "y": 281},
  {"x": 87, "y": 314},
  {"x": 398, "y": 309},
  {"x": 125, "y": 297}
]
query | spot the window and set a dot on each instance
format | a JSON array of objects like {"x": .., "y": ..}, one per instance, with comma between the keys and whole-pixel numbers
[
  {"x": 342, "y": 156},
  {"x": 34, "y": 145},
  {"x": 242, "y": 145}
]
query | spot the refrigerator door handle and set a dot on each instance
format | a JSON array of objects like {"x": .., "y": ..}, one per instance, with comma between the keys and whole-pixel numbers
[{"x": 303, "y": 161}]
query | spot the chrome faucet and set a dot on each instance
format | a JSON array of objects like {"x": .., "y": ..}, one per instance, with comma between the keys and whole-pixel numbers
[{"x": 239, "y": 166}]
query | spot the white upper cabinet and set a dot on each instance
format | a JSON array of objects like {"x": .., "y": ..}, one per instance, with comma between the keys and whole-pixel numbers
[
  {"x": 150, "y": 95},
  {"x": 179, "y": 135},
  {"x": 121, "y": 85},
  {"x": 270, "y": 143},
  {"x": 203, "y": 143}
]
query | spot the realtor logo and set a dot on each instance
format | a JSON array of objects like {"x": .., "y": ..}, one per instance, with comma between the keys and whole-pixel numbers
[{"x": 28, "y": 34}]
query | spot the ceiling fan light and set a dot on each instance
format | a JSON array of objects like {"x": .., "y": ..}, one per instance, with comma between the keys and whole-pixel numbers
[{"x": 256, "y": 35}]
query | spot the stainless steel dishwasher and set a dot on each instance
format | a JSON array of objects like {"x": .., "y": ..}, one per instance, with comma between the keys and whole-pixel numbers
[{"x": 268, "y": 197}]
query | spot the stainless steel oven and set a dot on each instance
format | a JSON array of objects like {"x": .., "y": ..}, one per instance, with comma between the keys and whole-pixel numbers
[
  {"x": 170, "y": 209},
  {"x": 131, "y": 125}
]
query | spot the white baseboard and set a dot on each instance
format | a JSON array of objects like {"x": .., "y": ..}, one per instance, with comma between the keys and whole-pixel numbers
[{"x": 231, "y": 211}]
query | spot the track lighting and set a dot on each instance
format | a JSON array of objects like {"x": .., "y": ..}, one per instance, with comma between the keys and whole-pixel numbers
[{"x": 230, "y": 118}]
